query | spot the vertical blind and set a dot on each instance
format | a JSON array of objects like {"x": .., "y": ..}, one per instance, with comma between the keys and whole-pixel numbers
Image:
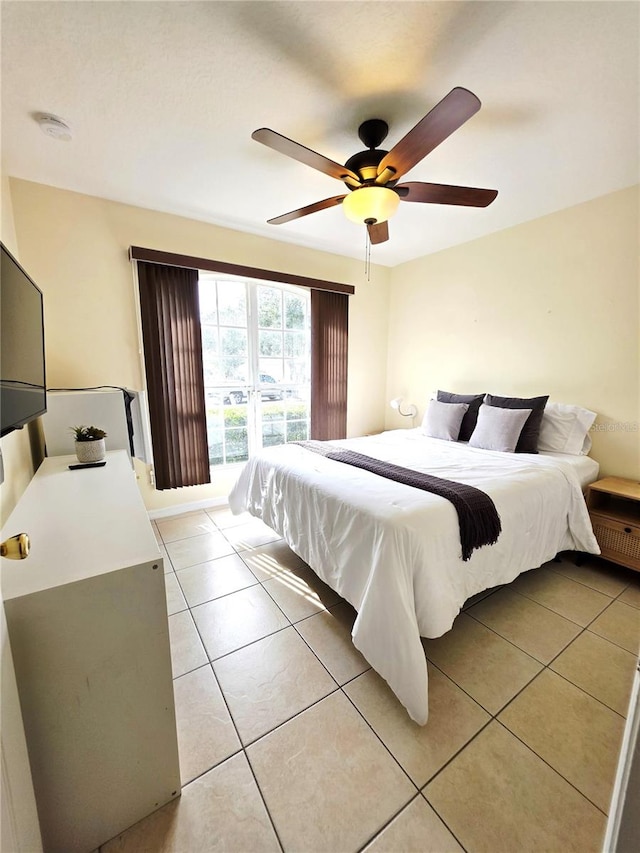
[
  {"x": 173, "y": 358},
  {"x": 329, "y": 351},
  {"x": 175, "y": 380}
]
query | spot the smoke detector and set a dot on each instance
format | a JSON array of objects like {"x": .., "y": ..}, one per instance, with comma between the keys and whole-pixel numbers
[{"x": 54, "y": 127}]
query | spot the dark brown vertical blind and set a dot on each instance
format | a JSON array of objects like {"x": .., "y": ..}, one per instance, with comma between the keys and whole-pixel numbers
[
  {"x": 329, "y": 351},
  {"x": 173, "y": 359}
]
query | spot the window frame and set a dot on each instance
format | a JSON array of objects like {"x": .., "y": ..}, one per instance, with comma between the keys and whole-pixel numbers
[{"x": 255, "y": 419}]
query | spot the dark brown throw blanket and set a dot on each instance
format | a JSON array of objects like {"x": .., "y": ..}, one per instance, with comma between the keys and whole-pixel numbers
[{"x": 477, "y": 515}]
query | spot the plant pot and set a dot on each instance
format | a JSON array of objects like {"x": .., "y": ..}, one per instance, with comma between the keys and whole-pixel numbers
[{"x": 91, "y": 451}]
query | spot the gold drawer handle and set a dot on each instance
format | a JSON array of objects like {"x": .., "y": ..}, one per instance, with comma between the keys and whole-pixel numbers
[{"x": 16, "y": 548}]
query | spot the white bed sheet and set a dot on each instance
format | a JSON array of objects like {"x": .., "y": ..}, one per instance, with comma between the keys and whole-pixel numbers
[
  {"x": 394, "y": 551},
  {"x": 585, "y": 468}
]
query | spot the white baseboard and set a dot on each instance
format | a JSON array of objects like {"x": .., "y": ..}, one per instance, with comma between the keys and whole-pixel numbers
[{"x": 179, "y": 509}]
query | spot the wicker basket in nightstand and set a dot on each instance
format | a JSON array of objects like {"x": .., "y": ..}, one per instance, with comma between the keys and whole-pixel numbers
[{"x": 614, "y": 507}]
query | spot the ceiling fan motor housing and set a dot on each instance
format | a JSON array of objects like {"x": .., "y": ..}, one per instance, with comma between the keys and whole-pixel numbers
[{"x": 365, "y": 163}]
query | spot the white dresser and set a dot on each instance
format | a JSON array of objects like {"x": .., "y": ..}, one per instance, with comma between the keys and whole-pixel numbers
[{"x": 87, "y": 621}]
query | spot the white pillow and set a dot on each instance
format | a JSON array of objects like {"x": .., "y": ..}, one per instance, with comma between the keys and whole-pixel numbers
[
  {"x": 443, "y": 420},
  {"x": 565, "y": 429},
  {"x": 498, "y": 429}
]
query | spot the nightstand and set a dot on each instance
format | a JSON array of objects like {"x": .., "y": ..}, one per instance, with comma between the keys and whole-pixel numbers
[{"x": 614, "y": 508}]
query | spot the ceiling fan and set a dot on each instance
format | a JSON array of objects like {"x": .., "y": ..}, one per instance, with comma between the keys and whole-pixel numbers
[{"x": 372, "y": 176}]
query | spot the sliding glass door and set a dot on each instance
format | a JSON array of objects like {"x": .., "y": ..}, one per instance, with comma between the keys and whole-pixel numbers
[{"x": 256, "y": 353}]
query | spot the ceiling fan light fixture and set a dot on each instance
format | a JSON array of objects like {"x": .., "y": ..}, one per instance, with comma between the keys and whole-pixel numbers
[{"x": 370, "y": 205}]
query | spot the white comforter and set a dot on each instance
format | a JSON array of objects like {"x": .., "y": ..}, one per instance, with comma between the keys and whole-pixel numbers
[{"x": 394, "y": 551}]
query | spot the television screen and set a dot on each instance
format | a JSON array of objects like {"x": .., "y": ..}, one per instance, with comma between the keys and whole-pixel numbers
[{"x": 22, "y": 369}]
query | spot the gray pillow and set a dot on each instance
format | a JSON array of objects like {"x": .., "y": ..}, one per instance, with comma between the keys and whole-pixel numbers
[
  {"x": 442, "y": 420},
  {"x": 474, "y": 402},
  {"x": 528, "y": 441},
  {"x": 498, "y": 429}
]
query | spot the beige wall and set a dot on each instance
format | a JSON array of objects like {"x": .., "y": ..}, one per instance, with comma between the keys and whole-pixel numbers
[
  {"x": 547, "y": 307},
  {"x": 550, "y": 306},
  {"x": 16, "y": 449},
  {"x": 75, "y": 246}
]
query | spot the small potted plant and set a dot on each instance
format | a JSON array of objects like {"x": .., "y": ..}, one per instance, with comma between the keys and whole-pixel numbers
[{"x": 90, "y": 446}]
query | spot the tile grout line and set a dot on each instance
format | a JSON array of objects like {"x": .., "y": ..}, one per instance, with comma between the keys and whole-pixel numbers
[
  {"x": 557, "y": 772},
  {"x": 422, "y": 790},
  {"x": 583, "y": 629},
  {"x": 264, "y": 801},
  {"x": 242, "y": 747},
  {"x": 340, "y": 687},
  {"x": 495, "y": 717},
  {"x": 555, "y": 612},
  {"x": 379, "y": 739},
  {"x": 582, "y": 583},
  {"x": 453, "y": 758},
  {"x": 289, "y": 719},
  {"x": 391, "y": 819},
  {"x": 593, "y": 634},
  {"x": 548, "y": 667},
  {"x": 586, "y": 692},
  {"x": 535, "y": 601},
  {"x": 215, "y": 597},
  {"x": 419, "y": 795},
  {"x": 507, "y": 640}
]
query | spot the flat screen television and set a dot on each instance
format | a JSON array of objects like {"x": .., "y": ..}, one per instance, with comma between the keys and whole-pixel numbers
[{"x": 23, "y": 395}]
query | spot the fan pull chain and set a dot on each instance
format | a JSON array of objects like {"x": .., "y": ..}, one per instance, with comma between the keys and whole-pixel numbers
[{"x": 367, "y": 256}]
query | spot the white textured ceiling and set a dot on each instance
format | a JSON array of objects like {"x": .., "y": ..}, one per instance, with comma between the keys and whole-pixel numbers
[{"x": 163, "y": 97}]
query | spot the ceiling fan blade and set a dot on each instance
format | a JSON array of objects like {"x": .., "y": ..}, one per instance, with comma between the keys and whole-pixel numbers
[
  {"x": 448, "y": 115},
  {"x": 445, "y": 194},
  {"x": 305, "y": 211},
  {"x": 378, "y": 232},
  {"x": 305, "y": 155}
]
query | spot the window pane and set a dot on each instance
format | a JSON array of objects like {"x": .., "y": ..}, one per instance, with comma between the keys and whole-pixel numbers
[
  {"x": 212, "y": 370},
  {"x": 294, "y": 343},
  {"x": 234, "y": 369},
  {"x": 269, "y": 308},
  {"x": 232, "y": 303},
  {"x": 215, "y": 441},
  {"x": 273, "y": 411},
  {"x": 297, "y": 370},
  {"x": 210, "y": 367},
  {"x": 212, "y": 401},
  {"x": 297, "y": 431},
  {"x": 272, "y": 433},
  {"x": 270, "y": 343},
  {"x": 235, "y": 396},
  {"x": 209, "y": 340},
  {"x": 271, "y": 367},
  {"x": 297, "y": 410},
  {"x": 233, "y": 342},
  {"x": 208, "y": 309},
  {"x": 235, "y": 415},
  {"x": 294, "y": 312},
  {"x": 237, "y": 445}
]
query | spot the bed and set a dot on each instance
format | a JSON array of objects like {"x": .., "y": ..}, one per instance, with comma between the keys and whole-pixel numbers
[{"x": 393, "y": 551}]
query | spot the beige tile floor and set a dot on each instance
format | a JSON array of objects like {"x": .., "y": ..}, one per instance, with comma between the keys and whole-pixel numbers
[{"x": 289, "y": 740}]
